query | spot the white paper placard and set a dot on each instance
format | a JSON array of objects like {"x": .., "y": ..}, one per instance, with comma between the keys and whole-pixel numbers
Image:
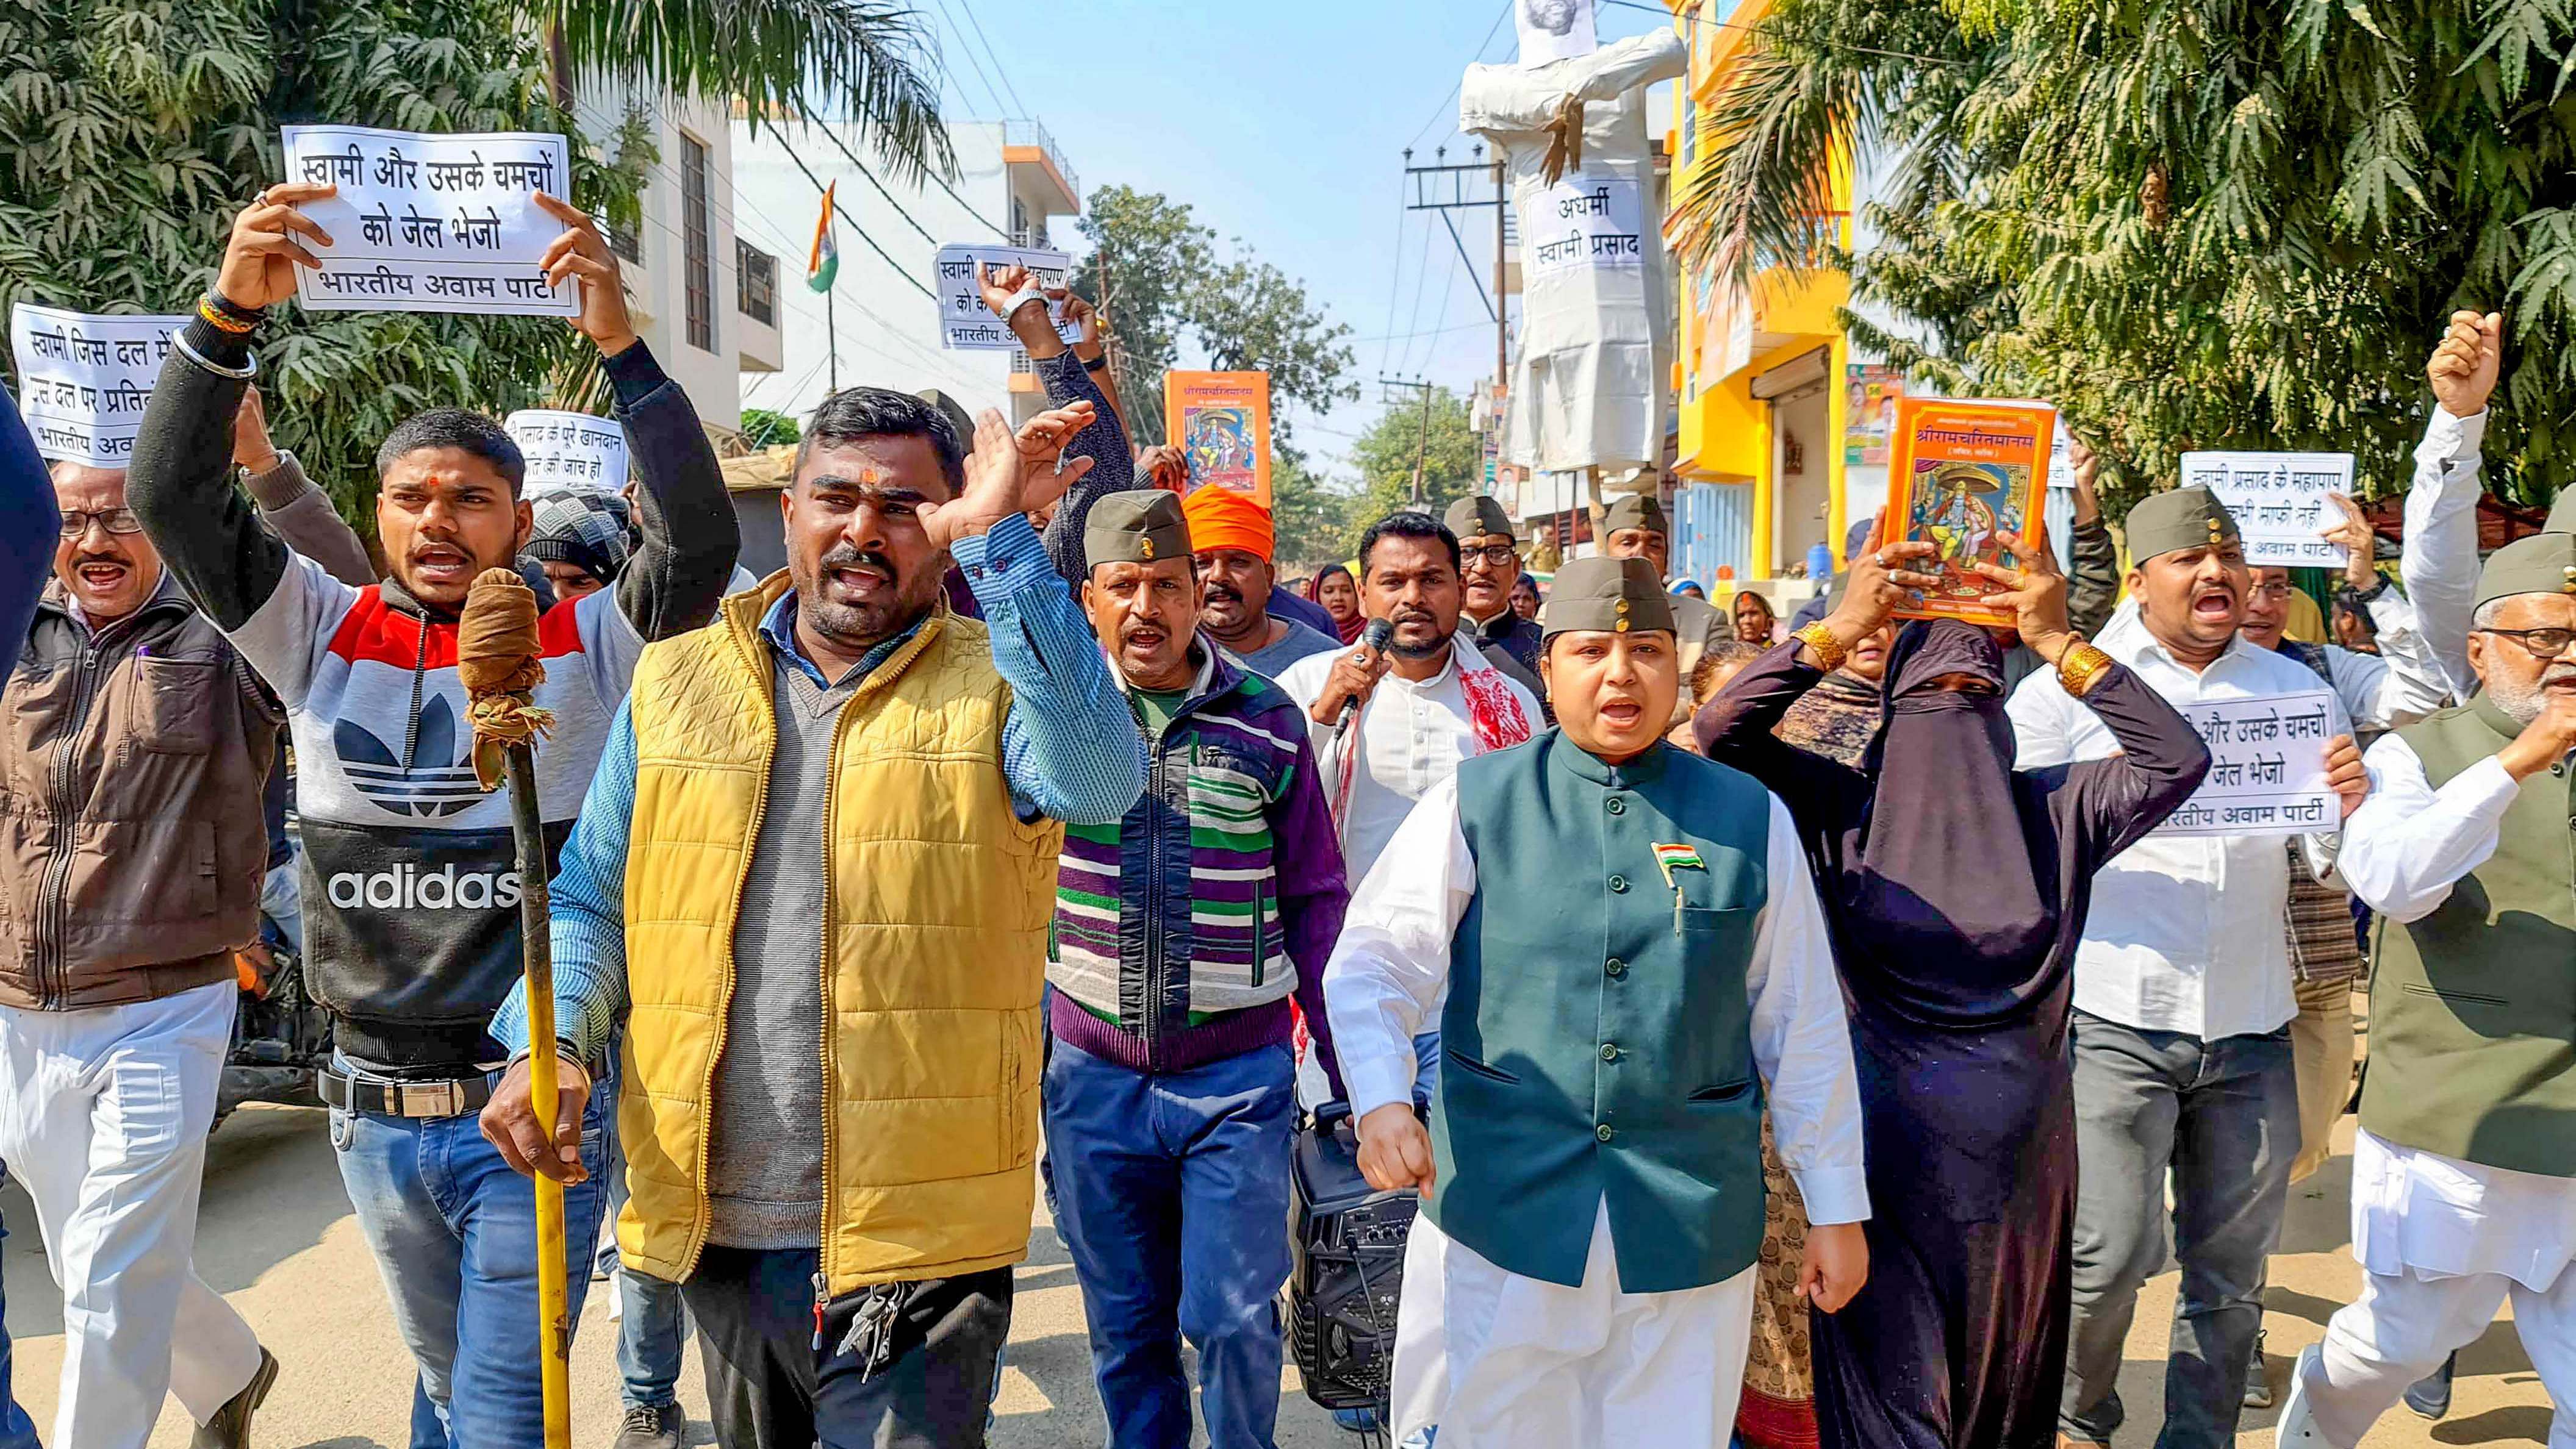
[
  {"x": 2279, "y": 500},
  {"x": 2267, "y": 767},
  {"x": 965, "y": 323},
  {"x": 429, "y": 223},
  {"x": 83, "y": 379},
  {"x": 569, "y": 452},
  {"x": 1585, "y": 223}
]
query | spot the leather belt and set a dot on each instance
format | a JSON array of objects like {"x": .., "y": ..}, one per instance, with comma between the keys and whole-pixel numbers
[{"x": 404, "y": 1099}]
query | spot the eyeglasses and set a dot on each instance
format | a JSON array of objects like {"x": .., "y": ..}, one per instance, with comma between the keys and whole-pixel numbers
[
  {"x": 2540, "y": 643},
  {"x": 1498, "y": 555},
  {"x": 114, "y": 520},
  {"x": 2273, "y": 592}
]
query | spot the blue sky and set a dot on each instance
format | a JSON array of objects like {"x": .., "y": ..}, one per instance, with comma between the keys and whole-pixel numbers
[{"x": 1280, "y": 124}]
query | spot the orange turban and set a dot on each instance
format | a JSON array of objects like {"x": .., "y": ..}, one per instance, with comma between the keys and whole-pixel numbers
[{"x": 1222, "y": 518}]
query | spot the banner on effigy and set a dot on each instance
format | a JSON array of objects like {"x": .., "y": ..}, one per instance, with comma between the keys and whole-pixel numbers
[
  {"x": 965, "y": 323},
  {"x": 1584, "y": 223},
  {"x": 2279, "y": 500},
  {"x": 569, "y": 452},
  {"x": 429, "y": 223},
  {"x": 83, "y": 380},
  {"x": 2267, "y": 768}
]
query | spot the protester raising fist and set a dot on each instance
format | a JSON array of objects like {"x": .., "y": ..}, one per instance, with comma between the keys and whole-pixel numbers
[{"x": 2465, "y": 363}]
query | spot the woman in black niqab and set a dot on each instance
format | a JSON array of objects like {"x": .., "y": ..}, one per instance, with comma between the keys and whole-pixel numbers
[{"x": 1955, "y": 889}]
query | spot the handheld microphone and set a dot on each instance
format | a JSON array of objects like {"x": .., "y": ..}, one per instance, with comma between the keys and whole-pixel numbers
[{"x": 1374, "y": 639}]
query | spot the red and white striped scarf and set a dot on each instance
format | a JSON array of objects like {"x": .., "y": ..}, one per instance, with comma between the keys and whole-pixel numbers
[{"x": 1494, "y": 713}]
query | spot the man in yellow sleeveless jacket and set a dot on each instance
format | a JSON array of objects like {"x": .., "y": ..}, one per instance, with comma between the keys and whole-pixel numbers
[{"x": 814, "y": 875}]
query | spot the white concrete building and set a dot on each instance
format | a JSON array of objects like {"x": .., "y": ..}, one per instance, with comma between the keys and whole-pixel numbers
[
  {"x": 1012, "y": 182},
  {"x": 704, "y": 296}
]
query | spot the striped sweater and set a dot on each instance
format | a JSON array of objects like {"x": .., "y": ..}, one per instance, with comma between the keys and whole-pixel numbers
[{"x": 1182, "y": 932}]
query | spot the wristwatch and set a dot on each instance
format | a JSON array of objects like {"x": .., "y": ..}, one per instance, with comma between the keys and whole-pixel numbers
[{"x": 2366, "y": 596}]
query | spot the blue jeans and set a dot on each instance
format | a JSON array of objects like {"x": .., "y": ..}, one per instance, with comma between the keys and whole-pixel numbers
[
  {"x": 650, "y": 1324},
  {"x": 1175, "y": 1204},
  {"x": 2221, "y": 1118},
  {"x": 16, "y": 1432},
  {"x": 454, "y": 1232}
]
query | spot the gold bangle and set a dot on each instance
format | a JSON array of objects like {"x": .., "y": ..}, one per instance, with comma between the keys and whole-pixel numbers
[
  {"x": 2081, "y": 667},
  {"x": 1830, "y": 652}
]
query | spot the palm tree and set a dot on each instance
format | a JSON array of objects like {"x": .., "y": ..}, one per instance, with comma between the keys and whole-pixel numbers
[{"x": 781, "y": 58}]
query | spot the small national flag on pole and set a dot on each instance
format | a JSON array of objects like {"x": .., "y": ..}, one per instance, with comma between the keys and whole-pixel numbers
[{"x": 825, "y": 263}]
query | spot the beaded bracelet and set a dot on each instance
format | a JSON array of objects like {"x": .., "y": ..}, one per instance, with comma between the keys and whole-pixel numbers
[{"x": 224, "y": 316}]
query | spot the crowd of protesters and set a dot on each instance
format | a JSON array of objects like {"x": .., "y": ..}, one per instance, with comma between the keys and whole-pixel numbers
[{"x": 1796, "y": 1033}]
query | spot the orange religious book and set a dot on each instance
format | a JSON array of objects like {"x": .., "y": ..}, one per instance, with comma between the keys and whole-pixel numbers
[
  {"x": 1966, "y": 475},
  {"x": 1221, "y": 423}
]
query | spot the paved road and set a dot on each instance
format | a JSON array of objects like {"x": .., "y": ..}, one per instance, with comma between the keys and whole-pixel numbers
[{"x": 277, "y": 1237}]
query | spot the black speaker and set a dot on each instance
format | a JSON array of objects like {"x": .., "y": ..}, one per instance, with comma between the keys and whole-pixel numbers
[{"x": 1347, "y": 1242}]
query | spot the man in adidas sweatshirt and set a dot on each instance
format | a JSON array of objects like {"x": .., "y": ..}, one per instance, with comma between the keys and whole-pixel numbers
[{"x": 411, "y": 895}]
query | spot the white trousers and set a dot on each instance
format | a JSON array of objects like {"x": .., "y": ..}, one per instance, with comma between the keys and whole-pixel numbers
[
  {"x": 1500, "y": 1361},
  {"x": 2404, "y": 1325},
  {"x": 103, "y": 1116}
]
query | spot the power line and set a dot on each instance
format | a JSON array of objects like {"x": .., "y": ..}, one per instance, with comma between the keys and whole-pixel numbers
[
  {"x": 992, "y": 94},
  {"x": 832, "y": 134},
  {"x": 998, "y": 68},
  {"x": 1421, "y": 284},
  {"x": 1443, "y": 107},
  {"x": 1394, "y": 287},
  {"x": 843, "y": 213}
]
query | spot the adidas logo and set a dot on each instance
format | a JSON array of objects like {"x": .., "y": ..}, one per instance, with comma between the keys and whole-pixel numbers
[
  {"x": 438, "y": 781},
  {"x": 408, "y": 888}
]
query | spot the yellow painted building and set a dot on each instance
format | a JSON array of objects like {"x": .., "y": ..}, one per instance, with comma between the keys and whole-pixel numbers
[{"x": 1762, "y": 384}]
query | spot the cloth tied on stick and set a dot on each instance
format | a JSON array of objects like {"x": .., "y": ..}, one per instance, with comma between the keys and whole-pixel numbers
[{"x": 497, "y": 657}]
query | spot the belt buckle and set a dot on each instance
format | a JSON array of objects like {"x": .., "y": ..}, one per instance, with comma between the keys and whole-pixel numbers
[{"x": 429, "y": 1099}]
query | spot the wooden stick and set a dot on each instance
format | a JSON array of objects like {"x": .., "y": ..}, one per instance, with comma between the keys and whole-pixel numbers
[{"x": 554, "y": 1314}]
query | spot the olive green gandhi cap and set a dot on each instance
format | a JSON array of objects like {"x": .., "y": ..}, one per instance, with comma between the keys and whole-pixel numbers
[
  {"x": 1477, "y": 516},
  {"x": 2184, "y": 518},
  {"x": 2562, "y": 514},
  {"x": 1612, "y": 595},
  {"x": 1141, "y": 526},
  {"x": 1636, "y": 510},
  {"x": 2544, "y": 563}
]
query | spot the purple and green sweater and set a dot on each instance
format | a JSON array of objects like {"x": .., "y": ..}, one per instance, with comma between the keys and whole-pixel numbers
[{"x": 1182, "y": 931}]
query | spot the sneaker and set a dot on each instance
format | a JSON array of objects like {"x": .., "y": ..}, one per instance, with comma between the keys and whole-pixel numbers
[
  {"x": 230, "y": 1427},
  {"x": 2258, "y": 1385},
  {"x": 652, "y": 1426},
  {"x": 2430, "y": 1396},
  {"x": 2298, "y": 1429}
]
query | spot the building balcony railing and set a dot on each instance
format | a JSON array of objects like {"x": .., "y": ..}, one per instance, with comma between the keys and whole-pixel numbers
[
  {"x": 1035, "y": 133},
  {"x": 755, "y": 283}
]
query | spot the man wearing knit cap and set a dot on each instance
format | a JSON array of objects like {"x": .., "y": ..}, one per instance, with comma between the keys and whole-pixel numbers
[
  {"x": 2464, "y": 1171},
  {"x": 1172, "y": 1090},
  {"x": 1234, "y": 537},
  {"x": 1634, "y": 527},
  {"x": 580, "y": 539},
  {"x": 1623, "y": 935},
  {"x": 1489, "y": 564},
  {"x": 2183, "y": 999}
]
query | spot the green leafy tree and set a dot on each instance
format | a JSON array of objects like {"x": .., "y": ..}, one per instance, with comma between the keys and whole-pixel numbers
[
  {"x": 131, "y": 131},
  {"x": 767, "y": 428},
  {"x": 1168, "y": 284},
  {"x": 1311, "y": 514},
  {"x": 1452, "y": 459},
  {"x": 2191, "y": 223}
]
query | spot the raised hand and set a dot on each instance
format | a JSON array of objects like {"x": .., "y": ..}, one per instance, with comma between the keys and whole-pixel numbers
[
  {"x": 258, "y": 269},
  {"x": 1002, "y": 286},
  {"x": 2352, "y": 532},
  {"x": 1164, "y": 466},
  {"x": 2036, "y": 593},
  {"x": 2545, "y": 741},
  {"x": 2088, "y": 473},
  {"x": 2464, "y": 366},
  {"x": 252, "y": 450},
  {"x": 1007, "y": 474},
  {"x": 581, "y": 255},
  {"x": 1879, "y": 584}
]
